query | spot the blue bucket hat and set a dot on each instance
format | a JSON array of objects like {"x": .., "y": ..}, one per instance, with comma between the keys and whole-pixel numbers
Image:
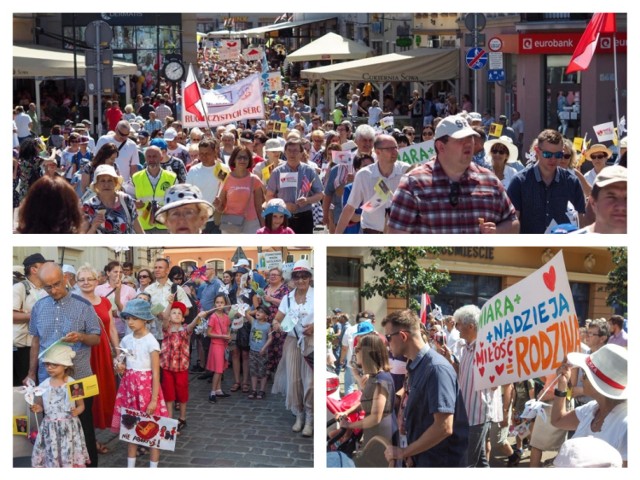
[
  {"x": 276, "y": 205},
  {"x": 364, "y": 328},
  {"x": 160, "y": 143},
  {"x": 138, "y": 308}
]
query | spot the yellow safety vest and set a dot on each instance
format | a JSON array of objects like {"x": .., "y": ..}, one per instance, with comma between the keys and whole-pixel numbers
[{"x": 145, "y": 192}]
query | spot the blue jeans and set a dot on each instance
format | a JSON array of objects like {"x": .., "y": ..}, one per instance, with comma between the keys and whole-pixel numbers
[{"x": 350, "y": 384}]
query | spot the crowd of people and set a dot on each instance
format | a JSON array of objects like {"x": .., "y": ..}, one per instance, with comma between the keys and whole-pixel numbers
[
  {"x": 418, "y": 395},
  {"x": 142, "y": 333},
  {"x": 332, "y": 176}
]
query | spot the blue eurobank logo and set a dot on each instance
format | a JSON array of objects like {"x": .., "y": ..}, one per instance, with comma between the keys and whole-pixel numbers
[{"x": 477, "y": 58}]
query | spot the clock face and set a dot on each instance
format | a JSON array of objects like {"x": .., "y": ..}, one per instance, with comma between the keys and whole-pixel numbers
[{"x": 174, "y": 71}]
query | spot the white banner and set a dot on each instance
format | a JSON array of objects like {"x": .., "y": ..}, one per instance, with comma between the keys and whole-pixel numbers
[
  {"x": 526, "y": 330},
  {"x": 253, "y": 54},
  {"x": 240, "y": 101}
]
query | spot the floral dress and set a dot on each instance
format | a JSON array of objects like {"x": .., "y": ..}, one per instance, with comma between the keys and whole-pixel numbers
[
  {"x": 116, "y": 219},
  {"x": 60, "y": 442}
]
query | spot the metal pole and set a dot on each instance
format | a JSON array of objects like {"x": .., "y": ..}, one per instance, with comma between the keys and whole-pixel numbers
[
  {"x": 615, "y": 82},
  {"x": 75, "y": 68},
  {"x": 157, "y": 54},
  {"x": 99, "y": 80},
  {"x": 475, "y": 71}
]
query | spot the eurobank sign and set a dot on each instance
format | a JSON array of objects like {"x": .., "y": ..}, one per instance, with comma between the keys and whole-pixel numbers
[{"x": 565, "y": 43}]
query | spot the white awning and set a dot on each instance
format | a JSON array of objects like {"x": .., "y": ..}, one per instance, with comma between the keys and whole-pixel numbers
[
  {"x": 417, "y": 65},
  {"x": 37, "y": 61},
  {"x": 330, "y": 47}
]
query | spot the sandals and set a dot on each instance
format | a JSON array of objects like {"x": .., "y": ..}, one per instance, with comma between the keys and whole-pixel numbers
[
  {"x": 245, "y": 388},
  {"x": 235, "y": 387},
  {"x": 261, "y": 395},
  {"x": 181, "y": 424},
  {"x": 253, "y": 395},
  {"x": 102, "y": 449}
]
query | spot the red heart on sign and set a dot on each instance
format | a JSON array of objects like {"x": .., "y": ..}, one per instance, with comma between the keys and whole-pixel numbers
[
  {"x": 481, "y": 370},
  {"x": 549, "y": 278},
  {"x": 500, "y": 369},
  {"x": 232, "y": 44},
  {"x": 492, "y": 378}
]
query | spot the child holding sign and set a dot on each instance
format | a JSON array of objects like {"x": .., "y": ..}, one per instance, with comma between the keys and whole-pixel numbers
[
  {"x": 140, "y": 384},
  {"x": 60, "y": 442},
  {"x": 174, "y": 358}
]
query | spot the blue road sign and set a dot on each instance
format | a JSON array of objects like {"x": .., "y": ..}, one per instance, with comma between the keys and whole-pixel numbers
[
  {"x": 477, "y": 58},
  {"x": 495, "y": 75}
]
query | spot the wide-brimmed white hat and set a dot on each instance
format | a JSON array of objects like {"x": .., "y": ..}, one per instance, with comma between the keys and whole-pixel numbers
[
  {"x": 590, "y": 452},
  {"x": 105, "y": 169},
  {"x": 606, "y": 369},
  {"x": 273, "y": 145},
  {"x": 507, "y": 142},
  {"x": 302, "y": 266},
  {"x": 179, "y": 195}
]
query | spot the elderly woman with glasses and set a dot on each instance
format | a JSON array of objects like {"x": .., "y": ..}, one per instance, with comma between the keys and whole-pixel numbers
[
  {"x": 294, "y": 376},
  {"x": 101, "y": 360},
  {"x": 185, "y": 210},
  {"x": 145, "y": 278}
]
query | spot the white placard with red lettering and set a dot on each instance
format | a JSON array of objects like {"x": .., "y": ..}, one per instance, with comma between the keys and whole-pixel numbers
[
  {"x": 254, "y": 53},
  {"x": 229, "y": 50},
  {"x": 526, "y": 330},
  {"x": 288, "y": 179},
  {"x": 605, "y": 132}
]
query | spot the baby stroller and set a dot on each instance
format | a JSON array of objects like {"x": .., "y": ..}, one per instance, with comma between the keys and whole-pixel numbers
[{"x": 344, "y": 440}]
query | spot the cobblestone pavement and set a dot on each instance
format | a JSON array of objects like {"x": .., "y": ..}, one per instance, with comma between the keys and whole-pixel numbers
[{"x": 235, "y": 432}]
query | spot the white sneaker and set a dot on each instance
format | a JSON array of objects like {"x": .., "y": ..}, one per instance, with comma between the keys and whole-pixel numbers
[
  {"x": 308, "y": 430},
  {"x": 299, "y": 423}
]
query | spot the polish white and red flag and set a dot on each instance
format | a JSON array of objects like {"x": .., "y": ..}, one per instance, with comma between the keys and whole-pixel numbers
[
  {"x": 582, "y": 55},
  {"x": 425, "y": 302},
  {"x": 192, "y": 96}
]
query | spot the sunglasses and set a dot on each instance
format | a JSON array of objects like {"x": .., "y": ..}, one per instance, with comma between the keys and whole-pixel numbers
[
  {"x": 427, "y": 134},
  {"x": 300, "y": 276},
  {"x": 547, "y": 155},
  {"x": 567, "y": 156},
  {"x": 499, "y": 151},
  {"x": 391, "y": 335},
  {"x": 144, "y": 276},
  {"x": 595, "y": 156},
  {"x": 454, "y": 193}
]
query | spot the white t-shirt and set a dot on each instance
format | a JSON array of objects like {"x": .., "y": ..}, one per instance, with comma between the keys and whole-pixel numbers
[
  {"x": 127, "y": 157},
  {"x": 203, "y": 178},
  {"x": 590, "y": 176},
  {"x": 141, "y": 349},
  {"x": 22, "y": 123},
  {"x": 614, "y": 428},
  {"x": 347, "y": 341}
]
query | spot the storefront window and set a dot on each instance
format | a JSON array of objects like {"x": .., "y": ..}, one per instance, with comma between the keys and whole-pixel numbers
[
  {"x": 580, "y": 293},
  {"x": 466, "y": 289},
  {"x": 343, "y": 284},
  {"x": 563, "y": 96}
]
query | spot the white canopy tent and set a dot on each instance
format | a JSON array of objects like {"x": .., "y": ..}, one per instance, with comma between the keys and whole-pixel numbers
[
  {"x": 43, "y": 63},
  {"x": 420, "y": 65},
  {"x": 330, "y": 47}
]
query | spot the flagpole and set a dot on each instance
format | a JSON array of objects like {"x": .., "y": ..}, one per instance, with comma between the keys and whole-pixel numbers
[
  {"x": 204, "y": 107},
  {"x": 615, "y": 82}
]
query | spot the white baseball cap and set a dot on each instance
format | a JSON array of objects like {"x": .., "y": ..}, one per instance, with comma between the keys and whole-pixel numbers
[{"x": 454, "y": 126}]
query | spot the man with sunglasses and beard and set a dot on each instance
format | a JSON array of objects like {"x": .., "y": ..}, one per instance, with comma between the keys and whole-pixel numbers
[
  {"x": 541, "y": 194},
  {"x": 128, "y": 160},
  {"x": 451, "y": 194}
]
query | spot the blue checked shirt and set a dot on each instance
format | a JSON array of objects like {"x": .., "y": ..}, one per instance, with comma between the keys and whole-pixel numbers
[{"x": 52, "y": 320}]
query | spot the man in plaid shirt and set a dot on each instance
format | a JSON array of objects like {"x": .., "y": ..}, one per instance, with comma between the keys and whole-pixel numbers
[{"x": 451, "y": 194}]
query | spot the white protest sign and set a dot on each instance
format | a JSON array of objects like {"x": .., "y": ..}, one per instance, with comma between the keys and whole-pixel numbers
[
  {"x": 229, "y": 50},
  {"x": 605, "y": 131},
  {"x": 381, "y": 197},
  {"x": 417, "y": 153},
  {"x": 344, "y": 157},
  {"x": 240, "y": 101},
  {"x": 254, "y": 53},
  {"x": 526, "y": 330},
  {"x": 148, "y": 430},
  {"x": 288, "y": 179},
  {"x": 274, "y": 81},
  {"x": 386, "y": 122},
  {"x": 269, "y": 260}
]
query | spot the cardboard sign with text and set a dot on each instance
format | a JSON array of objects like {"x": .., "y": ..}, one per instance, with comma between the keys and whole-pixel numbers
[
  {"x": 269, "y": 260},
  {"x": 148, "y": 430},
  {"x": 83, "y": 388},
  {"x": 526, "y": 330},
  {"x": 417, "y": 153}
]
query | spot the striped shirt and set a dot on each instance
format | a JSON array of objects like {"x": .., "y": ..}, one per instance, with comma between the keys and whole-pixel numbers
[
  {"x": 51, "y": 320},
  {"x": 423, "y": 201},
  {"x": 476, "y": 402}
]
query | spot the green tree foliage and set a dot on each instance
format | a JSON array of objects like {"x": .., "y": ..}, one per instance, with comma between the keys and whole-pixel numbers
[
  {"x": 617, "y": 285},
  {"x": 398, "y": 273}
]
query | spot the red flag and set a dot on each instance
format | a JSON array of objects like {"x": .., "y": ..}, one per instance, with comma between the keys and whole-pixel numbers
[
  {"x": 425, "y": 301},
  {"x": 305, "y": 186},
  {"x": 192, "y": 97},
  {"x": 600, "y": 23},
  {"x": 200, "y": 273}
]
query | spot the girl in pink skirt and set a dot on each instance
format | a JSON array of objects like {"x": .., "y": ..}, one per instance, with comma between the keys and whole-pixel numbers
[
  {"x": 140, "y": 384},
  {"x": 218, "y": 331}
]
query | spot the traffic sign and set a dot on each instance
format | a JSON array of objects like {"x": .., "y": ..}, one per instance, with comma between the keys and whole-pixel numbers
[
  {"x": 496, "y": 61},
  {"x": 495, "y": 44},
  {"x": 495, "y": 75},
  {"x": 477, "y": 58},
  {"x": 471, "y": 41},
  {"x": 475, "y": 21}
]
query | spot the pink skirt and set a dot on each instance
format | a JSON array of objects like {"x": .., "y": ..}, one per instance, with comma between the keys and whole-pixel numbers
[
  {"x": 135, "y": 393},
  {"x": 215, "y": 361}
]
